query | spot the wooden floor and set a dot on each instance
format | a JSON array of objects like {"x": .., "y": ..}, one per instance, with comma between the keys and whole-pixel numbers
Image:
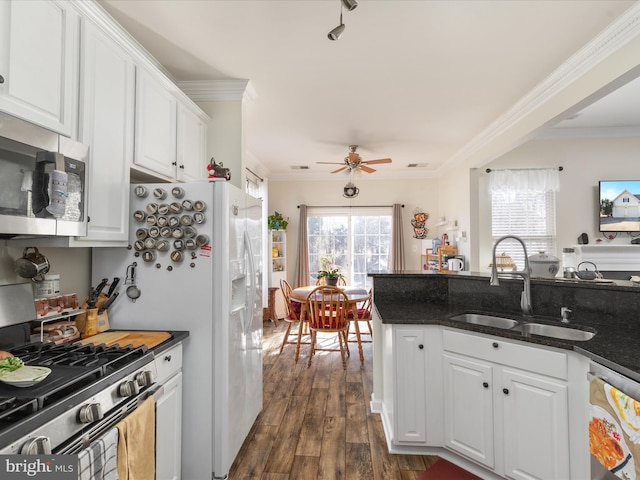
[{"x": 316, "y": 422}]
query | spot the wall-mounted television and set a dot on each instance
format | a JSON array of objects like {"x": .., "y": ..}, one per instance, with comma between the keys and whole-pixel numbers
[{"x": 619, "y": 206}]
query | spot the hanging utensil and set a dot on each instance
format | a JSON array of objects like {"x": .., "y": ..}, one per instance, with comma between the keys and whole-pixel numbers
[
  {"x": 32, "y": 265},
  {"x": 133, "y": 292}
]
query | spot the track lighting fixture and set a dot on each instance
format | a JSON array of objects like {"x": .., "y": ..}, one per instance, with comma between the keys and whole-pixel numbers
[
  {"x": 350, "y": 4},
  {"x": 336, "y": 32}
]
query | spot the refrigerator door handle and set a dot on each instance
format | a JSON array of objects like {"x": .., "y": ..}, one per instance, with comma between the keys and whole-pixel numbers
[{"x": 251, "y": 277}]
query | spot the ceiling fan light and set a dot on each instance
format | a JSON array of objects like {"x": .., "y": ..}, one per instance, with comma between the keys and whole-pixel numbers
[
  {"x": 336, "y": 32},
  {"x": 350, "y": 4}
]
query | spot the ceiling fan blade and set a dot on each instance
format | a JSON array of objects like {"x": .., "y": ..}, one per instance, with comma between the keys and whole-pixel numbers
[
  {"x": 354, "y": 157},
  {"x": 381, "y": 160},
  {"x": 366, "y": 169},
  {"x": 339, "y": 170}
]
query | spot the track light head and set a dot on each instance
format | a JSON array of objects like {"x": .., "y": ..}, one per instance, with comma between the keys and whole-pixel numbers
[
  {"x": 336, "y": 32},
  {"x": 350, "y": 4}
]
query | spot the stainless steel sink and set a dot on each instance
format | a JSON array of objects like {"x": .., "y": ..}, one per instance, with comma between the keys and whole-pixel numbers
[
  {"x": 486, "y": 320},
  {"x": 525, "y": 326},
  {"x": 555, "y": 331}
]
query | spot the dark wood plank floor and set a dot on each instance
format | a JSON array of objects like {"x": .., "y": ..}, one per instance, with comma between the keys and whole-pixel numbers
[{"x": 316, "y": 422}]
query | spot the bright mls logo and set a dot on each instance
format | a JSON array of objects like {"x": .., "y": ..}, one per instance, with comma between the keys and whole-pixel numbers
[{"x": 40, "y": 467}]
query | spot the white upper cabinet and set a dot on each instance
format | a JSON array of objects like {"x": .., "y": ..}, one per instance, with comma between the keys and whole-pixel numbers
[
  {"x": 191, "y": 144},
  {"x": 156, "y": 123},
  {"x": 39, "y": 63},
  {"x": 107, "y": 90},
  {"x": 171, "y": 134}
]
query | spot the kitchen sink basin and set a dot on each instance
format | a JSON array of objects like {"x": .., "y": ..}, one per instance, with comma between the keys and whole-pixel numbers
[
  {"x": 525, "y": 326},
  {"x": 485, "y": 320},
  {"x": 555, "y": 331}
]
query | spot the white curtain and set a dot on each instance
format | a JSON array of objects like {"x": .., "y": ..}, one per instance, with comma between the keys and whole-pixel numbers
[{"x": 535, "y": 180}]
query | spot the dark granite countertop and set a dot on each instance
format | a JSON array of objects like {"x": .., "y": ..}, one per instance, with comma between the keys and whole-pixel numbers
[{"x": 609, "y": 309}]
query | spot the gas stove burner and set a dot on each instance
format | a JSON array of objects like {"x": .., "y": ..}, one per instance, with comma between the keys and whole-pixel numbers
[{"x": 10, "y": 406}]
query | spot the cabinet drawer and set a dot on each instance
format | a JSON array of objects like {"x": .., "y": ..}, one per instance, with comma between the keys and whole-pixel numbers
[
  {"x": 505, "y": 352},
  {"x": 168, "y": 363}
]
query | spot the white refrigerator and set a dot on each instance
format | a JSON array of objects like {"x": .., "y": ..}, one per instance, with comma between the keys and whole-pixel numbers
[{"x": 198, "y": 254}]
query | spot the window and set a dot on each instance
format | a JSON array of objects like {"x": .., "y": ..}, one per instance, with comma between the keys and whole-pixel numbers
[
  {"x": 358, "y": 241},
  {"x": 528, "y": 215}
]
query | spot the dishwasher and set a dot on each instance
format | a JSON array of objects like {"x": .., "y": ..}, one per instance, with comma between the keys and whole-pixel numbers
[{"x": 621, "y": 432}]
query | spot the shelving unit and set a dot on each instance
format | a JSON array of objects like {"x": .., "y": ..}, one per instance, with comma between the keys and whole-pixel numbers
[
  {"x": 434, "y": 260},
  {"x": 278, "y": 249}
]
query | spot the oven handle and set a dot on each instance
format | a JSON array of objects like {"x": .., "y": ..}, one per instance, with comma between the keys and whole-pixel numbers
[{"x": 85, "y": 438}]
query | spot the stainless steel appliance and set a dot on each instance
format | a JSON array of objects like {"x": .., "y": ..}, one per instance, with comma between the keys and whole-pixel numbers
[
  {"x": 197, "y": 250},
  {"x": 631, "y": 388},
  {"x": 43, "y": 179},
  {"x": 90, "y": 387}
]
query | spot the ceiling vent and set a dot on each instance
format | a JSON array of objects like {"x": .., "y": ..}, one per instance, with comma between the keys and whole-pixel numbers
[
  {"x": 417, "y": 165},
  {"x": 299, "y": 167}
]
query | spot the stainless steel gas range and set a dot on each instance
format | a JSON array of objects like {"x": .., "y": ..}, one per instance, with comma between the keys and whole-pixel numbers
[{"x": 89, "y": 390}]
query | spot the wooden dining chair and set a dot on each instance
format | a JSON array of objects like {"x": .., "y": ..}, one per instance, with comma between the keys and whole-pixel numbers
[
  {"x": 293, "y": 314},
  {"x": 328, "y": 308},
  {"x": 364, "y": 315}
]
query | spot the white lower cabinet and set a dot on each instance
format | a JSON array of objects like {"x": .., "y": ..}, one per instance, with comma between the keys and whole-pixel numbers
[
  {"x": 169, "y": 415},
  {"x": 511, "y": 420},
  {"x": 468, "y": 408},
  {"x": 168, "y": 430},
  {"x": 411, "y": 391}
]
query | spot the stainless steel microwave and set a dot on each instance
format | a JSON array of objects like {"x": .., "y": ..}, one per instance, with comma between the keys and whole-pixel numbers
[{"x": 43, "y": 179}]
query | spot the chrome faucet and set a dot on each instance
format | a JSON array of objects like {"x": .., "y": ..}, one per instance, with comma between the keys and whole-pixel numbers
[{"x": 525, "y": 298}]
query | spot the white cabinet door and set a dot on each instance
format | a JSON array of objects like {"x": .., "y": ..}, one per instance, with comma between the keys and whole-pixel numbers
[
  {"x": 191, "y": 145},
  {"x": 106, "y": 125},
  {"x": 39, "y": 63},
  {"x": 169, "y": 430},
  {"x": 468, "y": 408},
  {"x": 155, "y": 145},
  {"x": 410, "y": 407},
  {"x": 536, "y": 426}
]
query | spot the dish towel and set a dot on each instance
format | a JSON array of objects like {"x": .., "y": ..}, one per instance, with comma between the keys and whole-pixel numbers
[
  {"x": 614, "y": 429},
  {"x": 136, "y": 444},
  {"x": 99, "y": 460}
]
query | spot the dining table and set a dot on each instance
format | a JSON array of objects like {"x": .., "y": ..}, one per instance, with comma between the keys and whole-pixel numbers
[{"x": 354, "y": 295}]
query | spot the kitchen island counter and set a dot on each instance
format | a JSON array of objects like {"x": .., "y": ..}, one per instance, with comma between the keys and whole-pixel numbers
[{"x": 430, "y": 298}]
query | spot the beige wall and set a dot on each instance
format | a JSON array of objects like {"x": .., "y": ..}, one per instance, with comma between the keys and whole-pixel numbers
[
  {"x": 585, "y": 162},
  {"x": 285, "y": 196}
]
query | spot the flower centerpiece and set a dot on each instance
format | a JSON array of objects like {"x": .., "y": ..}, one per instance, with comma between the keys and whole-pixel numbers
[
  {"x": 277, "y": 221},
  {"x": 331, "y": 276}
]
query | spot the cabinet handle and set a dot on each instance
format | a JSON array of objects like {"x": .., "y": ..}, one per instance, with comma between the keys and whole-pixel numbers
[
  {"x": 421, "y": 346},
  {"x": 167, "y": 358},
  {"x": 182, "y": 167},
  {"x": 174, "y": 163},
  {"x": 1, "y": 79},
  {"x": 495, "y": 345},
  {"x": 485, "y": 384},
  {"x": 505, "y": 391}
]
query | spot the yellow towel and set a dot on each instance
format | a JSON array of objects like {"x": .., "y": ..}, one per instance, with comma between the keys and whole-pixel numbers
[{"x": 136, "y": 443}]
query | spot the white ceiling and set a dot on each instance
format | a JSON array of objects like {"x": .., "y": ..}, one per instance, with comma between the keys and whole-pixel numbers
[{"x": 413, "y": 80}]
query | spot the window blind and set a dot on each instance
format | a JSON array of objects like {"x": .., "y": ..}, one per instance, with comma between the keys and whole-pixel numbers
[{"x": 527, "y": 214}]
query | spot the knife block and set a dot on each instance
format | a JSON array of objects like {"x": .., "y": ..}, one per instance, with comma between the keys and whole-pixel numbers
[{"x": 90, "y": 322}]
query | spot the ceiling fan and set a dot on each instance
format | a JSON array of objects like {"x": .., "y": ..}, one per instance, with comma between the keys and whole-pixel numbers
[{"x": 353, "y": 162}]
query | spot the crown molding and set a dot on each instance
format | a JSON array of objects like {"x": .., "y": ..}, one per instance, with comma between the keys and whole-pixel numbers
[
  {"x": 218, "y": 90},
  {"x": 619, "y": 33}
]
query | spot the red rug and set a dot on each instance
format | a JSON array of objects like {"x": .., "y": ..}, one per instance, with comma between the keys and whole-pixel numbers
[{"x": 443, "y": 470}]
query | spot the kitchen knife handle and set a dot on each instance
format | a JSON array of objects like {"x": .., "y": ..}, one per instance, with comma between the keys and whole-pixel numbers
[{"x": 113, "y": 286}]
